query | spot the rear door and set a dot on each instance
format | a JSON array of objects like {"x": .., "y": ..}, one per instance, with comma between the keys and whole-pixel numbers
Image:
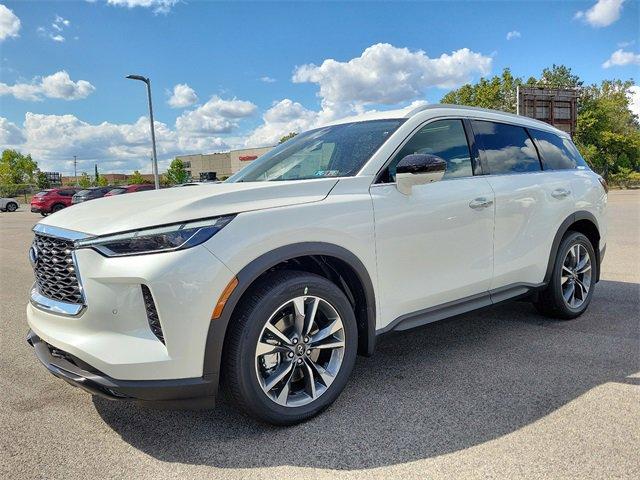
[
  {"x": 531, "y": 203},
  {"x": 435, "y": 245}
]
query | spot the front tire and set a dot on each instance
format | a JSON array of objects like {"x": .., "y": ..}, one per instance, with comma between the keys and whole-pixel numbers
[
  {"x": 57, "y": 207},
  {"x": 573, "y": 279},
  {"x": 290, "y": 348},
  {"x": 12, "y": 207}
]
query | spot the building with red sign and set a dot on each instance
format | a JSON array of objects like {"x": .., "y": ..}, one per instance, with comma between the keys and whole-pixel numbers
[{"x": 207, "y": 166}]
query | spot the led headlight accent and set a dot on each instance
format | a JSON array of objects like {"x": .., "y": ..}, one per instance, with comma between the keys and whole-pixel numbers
[{"x": 156, "y": 239}]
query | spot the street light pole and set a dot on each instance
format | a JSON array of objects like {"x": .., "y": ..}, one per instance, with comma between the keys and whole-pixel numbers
[{"x": 153, "y": 131}]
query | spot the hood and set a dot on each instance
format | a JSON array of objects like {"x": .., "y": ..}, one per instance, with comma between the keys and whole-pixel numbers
[{"x": 149, "y": 208}]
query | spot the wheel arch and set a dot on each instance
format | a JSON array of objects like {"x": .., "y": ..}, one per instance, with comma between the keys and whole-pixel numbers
[
  {"x": 329, "y": 260},
  {"x": 583, "y": 222}
]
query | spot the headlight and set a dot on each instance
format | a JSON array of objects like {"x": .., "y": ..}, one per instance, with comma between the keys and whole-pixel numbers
[{"x": 156, "y": 239}]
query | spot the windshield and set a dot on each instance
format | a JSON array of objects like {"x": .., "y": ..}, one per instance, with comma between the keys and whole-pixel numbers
[
  {"x": 83, "y": 193},
  {"x": 334, "y": 151},
  {"x": 44, "y": 193},
  {"x": 118, "y": 191}
]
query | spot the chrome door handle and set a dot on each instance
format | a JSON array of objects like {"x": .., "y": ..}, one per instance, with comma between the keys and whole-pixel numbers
[
  {"x": 480, "y": 202},
  {"x": 560, "y": 193}
]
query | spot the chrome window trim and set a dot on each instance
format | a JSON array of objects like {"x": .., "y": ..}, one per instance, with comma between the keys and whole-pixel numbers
[{"x": 49, "y": 305}]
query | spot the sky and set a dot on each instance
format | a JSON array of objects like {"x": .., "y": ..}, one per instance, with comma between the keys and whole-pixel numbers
[{"x": 229, "y": 75}]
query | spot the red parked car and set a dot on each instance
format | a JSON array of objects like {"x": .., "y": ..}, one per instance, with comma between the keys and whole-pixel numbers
[
  {"x": 52, "y": 200},
  {"x": 129, "y": 189}
]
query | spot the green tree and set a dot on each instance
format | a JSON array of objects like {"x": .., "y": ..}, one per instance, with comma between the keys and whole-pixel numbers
[
  {"x": 16, "y": 167},
  {"x": 176, "y": 173},
  {"x": 102, "y": 181},
  {"x": 288, "y": 136},
  {"x": 136, "y": 178},
  {"x": 84, "y": 181},
  {"x": 498, "y": 92},
  {"x": 42, "y": 181},
  {"x": 607, "y": 132},
  {"x": 558, "y": 76}
]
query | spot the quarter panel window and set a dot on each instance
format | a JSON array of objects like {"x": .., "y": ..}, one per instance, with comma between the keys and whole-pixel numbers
[
  {"x": 507, "y": 148},
  {"x": 558, "y": 153},
  {"x": 443, "y": 138}
]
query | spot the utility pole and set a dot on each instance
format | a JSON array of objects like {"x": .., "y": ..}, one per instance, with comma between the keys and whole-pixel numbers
[{"x": 75, "y": 169}]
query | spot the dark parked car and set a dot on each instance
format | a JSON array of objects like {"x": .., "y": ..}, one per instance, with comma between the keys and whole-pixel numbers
[
  {"x": 53, "y": 199},
  {"x": 91, "y": 194},
  {"x": 129, "y": 189}
]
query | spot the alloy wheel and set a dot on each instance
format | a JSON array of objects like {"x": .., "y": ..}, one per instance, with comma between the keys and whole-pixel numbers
[
  {"x": 576, "y": 276},
  {"x": 300, "y": 351}
]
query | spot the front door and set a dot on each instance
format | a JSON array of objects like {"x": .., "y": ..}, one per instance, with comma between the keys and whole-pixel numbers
[{"x": 435, "y": 245}]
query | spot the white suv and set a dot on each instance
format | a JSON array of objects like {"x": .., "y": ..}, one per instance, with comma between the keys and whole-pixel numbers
[{"x": 274, "y": 280}]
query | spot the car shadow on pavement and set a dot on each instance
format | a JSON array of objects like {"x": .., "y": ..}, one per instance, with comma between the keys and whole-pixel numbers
[{"x": 435, "y": 390}]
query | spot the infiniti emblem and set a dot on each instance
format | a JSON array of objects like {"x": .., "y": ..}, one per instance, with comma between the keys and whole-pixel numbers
[{"x": 33, "y": 256}]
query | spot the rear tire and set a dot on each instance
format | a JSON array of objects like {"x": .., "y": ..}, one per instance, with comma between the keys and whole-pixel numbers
[
  {"x": 284, "y": 367},
  {"x": 570, "y": 290},
  {"x": 12, "y": 207}
]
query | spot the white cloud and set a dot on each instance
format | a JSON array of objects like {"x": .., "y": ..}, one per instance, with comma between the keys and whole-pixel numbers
[
  {"x": 602, "y": 14},
  {"x": 215, "y": 116},
  {"x": 10, "y": 134},
  {"x": 53, "y": 140},
  {"x": 55, "y": 31},
  {"x": 626, "y": 44},
  {"x": 620, "y": 58},
  {"x": 385, "y": 74},
  {"x": 183, "y": 96},
  {"x": 158, "y": 6},
  {"x": 267, "y": 79},
  {"x": 513, "y": 34},
  {"x": 58, "y": 85},
  {"x": 634, "y": 100},
  {"x": 288, "y": 116},
  {"x": 9, "y": 23},
  {"x": 283, "y": 117}
]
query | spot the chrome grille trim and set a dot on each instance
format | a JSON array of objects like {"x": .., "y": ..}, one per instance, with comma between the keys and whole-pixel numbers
[
  {"x": 54, "y": 306},
  {"x": 58, "y": 287},
  {"x": 57, "y": 232}
]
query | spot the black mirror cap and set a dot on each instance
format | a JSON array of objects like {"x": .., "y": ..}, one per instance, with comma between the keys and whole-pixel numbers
[{"x": 421, "y": 163}]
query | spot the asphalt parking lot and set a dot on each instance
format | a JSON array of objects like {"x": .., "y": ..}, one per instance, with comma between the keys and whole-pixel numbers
[{"x": 501, "y": 393}]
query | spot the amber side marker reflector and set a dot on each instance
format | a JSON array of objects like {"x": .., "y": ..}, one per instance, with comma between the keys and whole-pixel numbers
[{"x": 222, "y": 301}]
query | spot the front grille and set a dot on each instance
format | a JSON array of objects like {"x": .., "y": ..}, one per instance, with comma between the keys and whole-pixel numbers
[{"x": 55, "y": 270}]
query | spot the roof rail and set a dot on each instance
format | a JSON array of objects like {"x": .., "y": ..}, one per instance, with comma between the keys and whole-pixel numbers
[{"x": 476, "y": 109}]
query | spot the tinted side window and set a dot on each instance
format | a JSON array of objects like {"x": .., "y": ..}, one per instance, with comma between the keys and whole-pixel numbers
[
  {"x": 557, "y": 153},
  {"x": 67, "y": 193},
  {"x": 507, "y": 148},
  {"x": 443, "y": 138}
]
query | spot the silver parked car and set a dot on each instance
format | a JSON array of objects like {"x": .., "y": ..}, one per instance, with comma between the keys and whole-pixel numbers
[{"x": 8, "y": 204}]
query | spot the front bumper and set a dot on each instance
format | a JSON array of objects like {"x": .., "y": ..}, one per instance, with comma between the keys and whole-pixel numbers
[
  {"x": 79, "y": 374},
  {"x": 112, "y": 332}
]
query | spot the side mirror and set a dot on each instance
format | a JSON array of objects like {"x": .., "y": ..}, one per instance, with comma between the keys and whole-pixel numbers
[{"x": 418, "y": 169}]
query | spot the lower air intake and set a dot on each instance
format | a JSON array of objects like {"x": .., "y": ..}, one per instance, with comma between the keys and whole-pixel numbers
[{"x": 152, "y": 313}]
